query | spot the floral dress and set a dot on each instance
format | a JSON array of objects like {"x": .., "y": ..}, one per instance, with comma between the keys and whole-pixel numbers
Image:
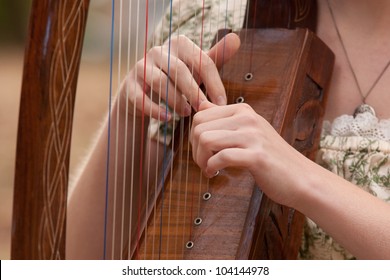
[{"x": 356, "y": 148}]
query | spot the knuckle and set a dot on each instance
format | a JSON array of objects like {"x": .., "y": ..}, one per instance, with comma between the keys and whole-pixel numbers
[
  {"x": 140, "y": 64},
  {"x": 196, "y": 120},
  {"x": 196, "y": 132},
  {"x": 180, "y": 67},
  {"x": 155, "y": 50},
  {"x": 251, "y": 119},
  {"x": 244, "y": 106},
  {"x": 204, "y": 140},
  {"x": 208, "y": 64},
  {"x": 182, "y": 39},
  {"x": 246, "y": 113},
  {"x": 223, "y": 156}
]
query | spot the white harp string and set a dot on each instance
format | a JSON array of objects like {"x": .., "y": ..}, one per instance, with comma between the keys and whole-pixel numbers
[
  {"x": 125, "y": 223},
  {"x": 129, "y": 51},
  {"x": 117, "y": 135}
]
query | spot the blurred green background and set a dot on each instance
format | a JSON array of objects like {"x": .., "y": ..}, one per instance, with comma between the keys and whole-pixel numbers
[{"x": 13, "y": 21}]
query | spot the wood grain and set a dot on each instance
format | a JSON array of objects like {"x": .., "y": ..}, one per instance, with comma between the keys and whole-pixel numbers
[
  {"x": 288, "y": 88},
  {"x": 50, "y": 74}
]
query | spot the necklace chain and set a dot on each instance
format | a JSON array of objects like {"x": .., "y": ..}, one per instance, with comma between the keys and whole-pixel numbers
[{"x": 364, "y": 96}]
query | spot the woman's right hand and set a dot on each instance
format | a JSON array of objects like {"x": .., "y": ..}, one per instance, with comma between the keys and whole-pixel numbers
[{"x": 174, "y": 72}]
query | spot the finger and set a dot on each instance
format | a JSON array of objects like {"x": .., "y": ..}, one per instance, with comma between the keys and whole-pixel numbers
[
  {"x": 202, "y": 66},
  {"x": 165, "y": 89},
  {"x": 201, "y": 121},
  {"x": 232, "y": 157},
  {"x": 220, "y": 155},
  {"x": 209, "y": 112},
  {"x": 224, "y": 49},
  {"x": 181, "y": 76},
  {"x": 213, "y": 141},
  {"x": 206, "y": 105},
  {"x": 142, "y": 104},
  {"x": 206, "y": 145},
  {"x": 221, "y": 53}
]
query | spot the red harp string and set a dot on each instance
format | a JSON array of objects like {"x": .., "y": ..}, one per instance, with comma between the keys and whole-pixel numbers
[{"x": 148, "y": 216}]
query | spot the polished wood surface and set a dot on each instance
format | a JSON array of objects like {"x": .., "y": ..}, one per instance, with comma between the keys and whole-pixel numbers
[
  {"x": 285, "y": 83},
  {"x": 281, "y": 14},
  {"x": 50, "y": 74}
]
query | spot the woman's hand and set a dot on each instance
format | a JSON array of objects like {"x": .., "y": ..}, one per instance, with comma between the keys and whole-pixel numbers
[
  {"x": 174, "y": 72},
  {"x": 236, "y": 136}
]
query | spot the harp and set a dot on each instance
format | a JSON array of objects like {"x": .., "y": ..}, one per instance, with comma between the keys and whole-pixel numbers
[{"x": 225, "y": 224}]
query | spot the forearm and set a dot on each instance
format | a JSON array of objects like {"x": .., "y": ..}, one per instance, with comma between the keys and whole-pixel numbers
[
  {"x": 356, "y": 219},
  {"x": 87, "y": 209}
]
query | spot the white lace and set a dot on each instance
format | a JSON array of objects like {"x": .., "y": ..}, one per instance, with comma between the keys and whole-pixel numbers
[{"x": 364, "y": 124}]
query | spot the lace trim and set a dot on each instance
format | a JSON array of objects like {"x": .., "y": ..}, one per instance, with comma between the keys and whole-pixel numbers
[{"x": 364, "y": 124}]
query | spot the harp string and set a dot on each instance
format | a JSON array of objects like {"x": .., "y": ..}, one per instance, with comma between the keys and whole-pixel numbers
[
  {"x": 130, "y": 231},
  {"x": 192, "y": 215},
  {"x": 105, "y": 229},
  {"x": 156, "y": 177},
  {"x": 168, "y": 224},
  {"x": 115, "y": 196},
  {"x": 143, "y": 121},
  {"x": 133, "y": 171},
  {"x": 149, "y": 154},
  {"x": 171, "y": 166},
  {"x": 129, "y": 51},
  {"x": 252, "y": 41}
]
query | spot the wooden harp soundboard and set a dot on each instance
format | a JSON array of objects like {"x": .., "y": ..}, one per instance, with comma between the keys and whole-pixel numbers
[{"x": 283, "y": 74}]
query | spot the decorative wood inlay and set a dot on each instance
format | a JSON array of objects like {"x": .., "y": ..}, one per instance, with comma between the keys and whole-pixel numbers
[
  {"x": 302, "y": 9},
  {"x": 50, "y": 74},
  {"x": 64, "y": 66}
]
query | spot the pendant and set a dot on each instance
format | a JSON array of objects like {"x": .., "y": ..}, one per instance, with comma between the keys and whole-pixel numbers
[{"x": 363, "y": 108}]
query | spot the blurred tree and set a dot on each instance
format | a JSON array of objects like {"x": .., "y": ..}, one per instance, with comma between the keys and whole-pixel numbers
[{"x": 13, "y": 21}]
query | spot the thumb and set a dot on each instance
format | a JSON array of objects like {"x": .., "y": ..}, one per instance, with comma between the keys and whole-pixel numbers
[
  {"x": 206, "y": 105},
  {"x": 224, "y": 49}
]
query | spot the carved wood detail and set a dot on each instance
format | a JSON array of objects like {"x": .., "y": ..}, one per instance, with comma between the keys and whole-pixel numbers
[{"x": 45, "y": 126}]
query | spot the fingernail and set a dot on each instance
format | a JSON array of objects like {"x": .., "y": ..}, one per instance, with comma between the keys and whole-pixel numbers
[
  {"x": 165, "y": 116},
  {"x": 212, "y": 175},
  {"x": 187, "y": 110}
]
